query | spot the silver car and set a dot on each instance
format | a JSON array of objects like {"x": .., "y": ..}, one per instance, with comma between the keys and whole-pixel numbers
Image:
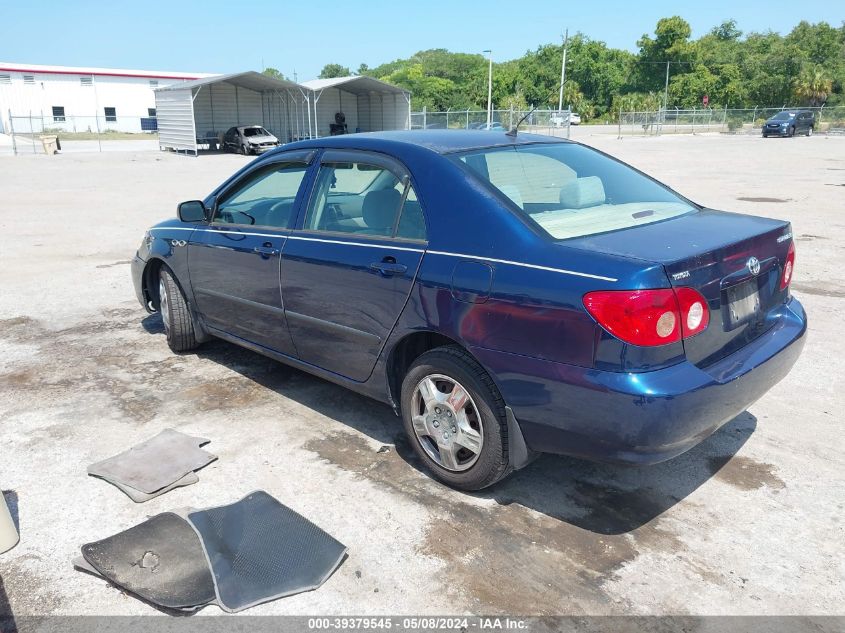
[{"x": 249, "y": 139}]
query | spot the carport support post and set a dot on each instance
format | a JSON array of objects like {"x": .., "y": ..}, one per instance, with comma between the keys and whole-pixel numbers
[
  {"x": 317, "y": 96},
  {"x": 407, "y": 96},
  {"x": 12, "y": 130}
]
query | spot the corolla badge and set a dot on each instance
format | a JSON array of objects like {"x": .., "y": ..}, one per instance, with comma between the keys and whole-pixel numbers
[{"x": 753, "y": 265}]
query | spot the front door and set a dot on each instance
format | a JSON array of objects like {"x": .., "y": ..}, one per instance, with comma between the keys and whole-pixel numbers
[
  {"x": 348, "y": 270},
  {"x": 234, "y": 260}
]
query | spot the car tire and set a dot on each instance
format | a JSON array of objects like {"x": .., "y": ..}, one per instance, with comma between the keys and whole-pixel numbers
[
  {"x": 791, "y": 132},
  {"x": 809, "y": 131},
  {"x": 175, "y": 313},
  {"x": 466, "y": 409},
  {"x": 765, "y": 135},
  {"x": 244, "y": 150}
]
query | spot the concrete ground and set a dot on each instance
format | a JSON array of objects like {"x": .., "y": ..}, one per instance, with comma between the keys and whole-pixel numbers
[{"x": 749, "y": 522}]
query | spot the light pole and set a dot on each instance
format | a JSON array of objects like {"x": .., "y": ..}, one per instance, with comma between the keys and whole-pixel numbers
[
  {"x": 489, "y": 88},
  {"x": 562, "y": 72}
]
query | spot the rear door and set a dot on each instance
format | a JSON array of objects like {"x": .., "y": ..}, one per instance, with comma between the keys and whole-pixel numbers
[
  {"x": 348, "y": 268},
  {"x": 234, "y": 260}
]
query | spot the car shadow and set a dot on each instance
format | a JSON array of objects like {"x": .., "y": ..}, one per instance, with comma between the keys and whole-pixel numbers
[{"x": 599, "y": 497}]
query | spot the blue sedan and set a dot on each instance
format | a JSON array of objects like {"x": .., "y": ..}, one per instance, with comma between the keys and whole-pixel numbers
[{"x": 507, "y": 295}]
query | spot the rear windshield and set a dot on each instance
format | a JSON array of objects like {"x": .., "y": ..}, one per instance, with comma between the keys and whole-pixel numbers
[
  {"x": 255, "y": 131},
  {"x": 570, "y": 190}
]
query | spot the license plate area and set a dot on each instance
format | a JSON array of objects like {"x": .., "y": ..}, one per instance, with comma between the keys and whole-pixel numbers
[{"x": 742, "y": 304}]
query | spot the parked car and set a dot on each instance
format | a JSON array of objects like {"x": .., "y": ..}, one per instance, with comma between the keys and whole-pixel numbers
[
  {"x": 506, "y": 295},
  {"x": 560, "y": 118},
  {"x": 495, "y": 126},
  {"x": 249, "y": 139},
  {"x": 790, "y": 123}
]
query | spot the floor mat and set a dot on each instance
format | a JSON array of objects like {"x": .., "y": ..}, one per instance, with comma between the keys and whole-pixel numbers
[
  {"x": 161, "y": 560},
  {"x": 140, "y": 497},
  {"x": 155, "y": 464},
  {"x": 260, "y": 550}
]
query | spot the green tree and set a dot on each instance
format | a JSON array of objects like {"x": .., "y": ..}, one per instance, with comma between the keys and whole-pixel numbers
[
  {"x": 331, "y": 71},
  {"x": 812, "y": 85},
  {"x": 274, "y": 73},
  {"x": 670, "y": 44}
]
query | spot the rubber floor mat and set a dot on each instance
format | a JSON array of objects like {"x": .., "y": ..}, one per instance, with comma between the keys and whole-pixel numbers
[
  {"x": 260, "y": 550},
  {"x": 161, "y": 560},
  {"x": 140, "y": 497},
  {"x": 156, "y": 463}
]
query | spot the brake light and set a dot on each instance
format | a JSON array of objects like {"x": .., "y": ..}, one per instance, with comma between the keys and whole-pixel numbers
[
  {"x": 649, "y": 317},
  {"x": 788, "y": 266}
]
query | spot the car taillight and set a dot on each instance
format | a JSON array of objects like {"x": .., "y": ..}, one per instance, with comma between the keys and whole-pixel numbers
[
  {"x": 788, "y": 266},
  {"x": 649, "y": 317}
]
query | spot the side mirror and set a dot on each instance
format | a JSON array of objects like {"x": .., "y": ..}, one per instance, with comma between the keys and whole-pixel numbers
[{"x": 192, "y": 211}]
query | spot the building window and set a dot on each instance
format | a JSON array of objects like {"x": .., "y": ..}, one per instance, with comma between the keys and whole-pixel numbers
[
  {"x": 153, "y": 83},
  {"x": 58, "y": 113},
  {"x": 29, "y": 79},
  {"x": 5, "y": 79},
  {"x": 86, "y": 81},
  {"x": 151, "y": 112},
  {"x": 111, "y": 115}
]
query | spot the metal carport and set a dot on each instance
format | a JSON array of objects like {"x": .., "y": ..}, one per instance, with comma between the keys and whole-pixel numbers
[
  {"x": 369, "y": 105},
  {"x": 194, "y": 113}
]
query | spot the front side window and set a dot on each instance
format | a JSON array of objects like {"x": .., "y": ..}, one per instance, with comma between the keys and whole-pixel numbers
[
  {"x": 266, "y": 198},
  {"x": 570, "y": 190},
  {"x": 364, "y": 199}
]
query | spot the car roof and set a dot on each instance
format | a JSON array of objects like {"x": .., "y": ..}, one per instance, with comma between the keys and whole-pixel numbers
[{"x": 440, "y": 141}]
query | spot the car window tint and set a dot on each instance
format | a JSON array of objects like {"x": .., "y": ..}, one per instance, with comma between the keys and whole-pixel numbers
[
  {"x": 354, "y": 198},
  {"x": 266, "y": 198}
]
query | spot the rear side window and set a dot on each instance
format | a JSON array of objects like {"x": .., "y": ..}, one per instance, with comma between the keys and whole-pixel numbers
[
  {"x": 265, "y": 198},
  {"x": 571, "y": 191},
  {"x": 363, "y": 199}
]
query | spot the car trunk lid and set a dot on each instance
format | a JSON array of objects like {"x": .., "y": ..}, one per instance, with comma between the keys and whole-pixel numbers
[{"x": 735, "y": 261}]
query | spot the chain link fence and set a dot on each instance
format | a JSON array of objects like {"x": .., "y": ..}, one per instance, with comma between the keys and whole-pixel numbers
[
  {"x": 828, "y": 120},
  {"x": 26, "y": 133},
  {"x": 552, "y": 122}
]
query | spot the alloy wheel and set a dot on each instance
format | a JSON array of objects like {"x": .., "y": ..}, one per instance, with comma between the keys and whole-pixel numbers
[
  {"x": 164, "y": 305},
  {"x": 446, "y": 422}
]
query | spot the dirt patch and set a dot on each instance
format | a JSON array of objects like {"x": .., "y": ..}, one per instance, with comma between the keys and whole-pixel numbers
[
  {"x": 486, "y": 549},
  {"x": 745, "y": 473},
  {"x": 811, "y": 289},
  {"x": 773, "y": 200}
]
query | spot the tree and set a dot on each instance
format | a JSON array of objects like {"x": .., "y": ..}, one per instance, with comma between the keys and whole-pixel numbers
[
  {"x": 670, "y": 44},
  {"x": 331, "y": 71},
  {"x": 274, "y": 73},
  {"x": 726, "y": 31},
  {"x": 812, "y": 85}
]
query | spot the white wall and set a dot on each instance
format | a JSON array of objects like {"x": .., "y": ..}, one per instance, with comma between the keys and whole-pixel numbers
[{"x": 84, "y": 105}]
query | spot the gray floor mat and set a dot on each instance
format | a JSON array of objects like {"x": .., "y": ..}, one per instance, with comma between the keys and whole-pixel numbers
[
  {"x": 161, "y": 560},
  {"x": 140, "y": 497},
  {"x": 156, "y": 463},
  {"x": 260, "y": 550}
]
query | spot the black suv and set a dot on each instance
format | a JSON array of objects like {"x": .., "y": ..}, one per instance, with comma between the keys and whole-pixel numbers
[{"x": 790, "y": 123}]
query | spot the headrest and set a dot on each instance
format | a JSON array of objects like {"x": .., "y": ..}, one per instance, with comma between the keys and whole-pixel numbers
[
  {"x": 582, "y": 192},
  {"x": 380, "y": 207}
]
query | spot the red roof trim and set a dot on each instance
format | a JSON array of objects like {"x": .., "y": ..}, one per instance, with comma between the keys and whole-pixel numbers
[{"x": 37, "y": 71}]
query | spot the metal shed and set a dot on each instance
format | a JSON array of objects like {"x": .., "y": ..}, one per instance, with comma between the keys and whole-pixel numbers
[
  {"x": 368, "y": 104},
  {"x": 193, "y": 114}
]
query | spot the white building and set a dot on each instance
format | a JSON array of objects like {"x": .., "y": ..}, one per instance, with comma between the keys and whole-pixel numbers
[{"x": 75, "y": 99}]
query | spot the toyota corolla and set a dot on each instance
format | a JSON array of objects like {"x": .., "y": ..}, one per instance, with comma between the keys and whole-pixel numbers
[{"x": 506, "y": 294}]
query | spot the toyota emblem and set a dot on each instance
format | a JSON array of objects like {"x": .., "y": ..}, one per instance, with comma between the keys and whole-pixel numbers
[{"x": 753, "y": 265}]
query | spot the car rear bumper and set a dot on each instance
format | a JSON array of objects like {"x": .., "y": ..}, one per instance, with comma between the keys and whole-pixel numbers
[{"x": 641, "y": 418}]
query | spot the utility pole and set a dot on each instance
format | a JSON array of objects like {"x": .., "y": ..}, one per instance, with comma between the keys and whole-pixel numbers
[
  {"x": 562, "y": 72},
  {"x": 666, "y": 88},
  {"x": 489, "y": 88}
]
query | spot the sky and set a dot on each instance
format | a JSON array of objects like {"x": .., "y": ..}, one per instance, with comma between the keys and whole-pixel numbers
[{"x": 301, "y": 37}]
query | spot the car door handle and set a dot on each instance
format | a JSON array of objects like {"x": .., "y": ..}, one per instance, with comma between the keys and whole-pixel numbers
[
  {"x": 388, "y": 267},
  {"x": 266, "y": 249}
]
